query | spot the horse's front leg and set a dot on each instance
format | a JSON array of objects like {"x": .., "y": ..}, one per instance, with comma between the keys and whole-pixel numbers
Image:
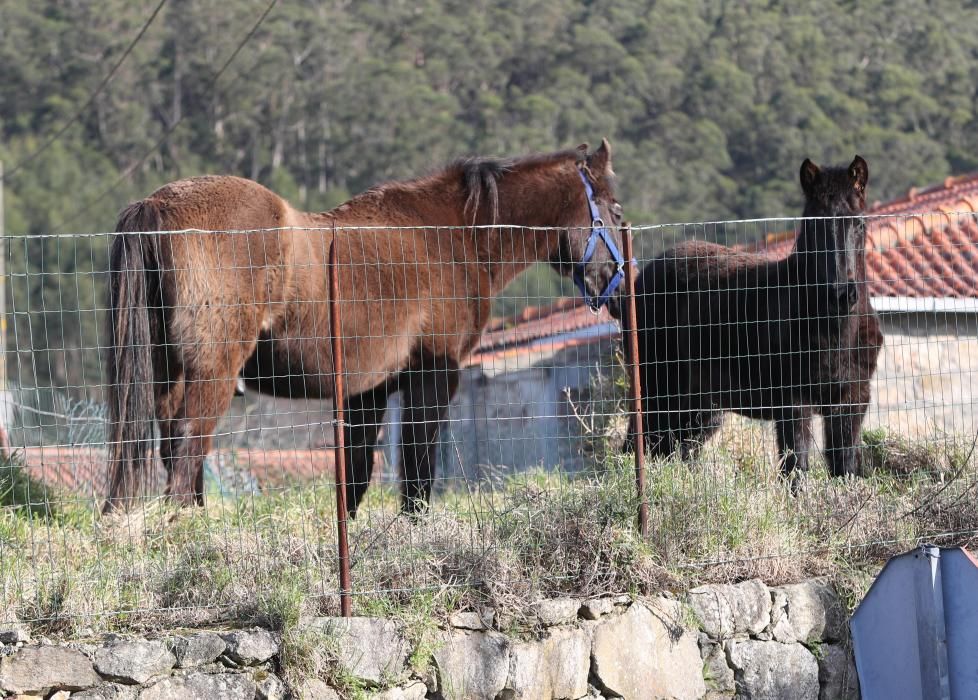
[
  {"x": 364, "y": 417},
  {"x": 426, "y": 391},
  {"x": 844, "y": 417},
  {"x": 701, "y": 426},
  {"x": 842, "y": 427},
  {"x": 794, "y": 432}
]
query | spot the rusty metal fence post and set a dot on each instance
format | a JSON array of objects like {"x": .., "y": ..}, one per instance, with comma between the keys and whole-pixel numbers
[
  {"x": 339, "y": 439},
  {"x": 630, "y": 331}
]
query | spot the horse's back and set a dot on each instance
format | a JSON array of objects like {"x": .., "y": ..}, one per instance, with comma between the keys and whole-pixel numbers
[
  {"x": 695, "y": 265},
  {"x": 233, "y": 226},
  {"x": 220, "y": 203},
  {"x": 698, "y": 321}
]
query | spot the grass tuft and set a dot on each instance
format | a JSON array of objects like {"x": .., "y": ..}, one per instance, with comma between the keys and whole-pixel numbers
[{"x": 271, "y": 558}]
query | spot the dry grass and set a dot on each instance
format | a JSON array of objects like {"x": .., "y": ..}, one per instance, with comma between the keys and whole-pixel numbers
[{"x": 271, "y": 558}]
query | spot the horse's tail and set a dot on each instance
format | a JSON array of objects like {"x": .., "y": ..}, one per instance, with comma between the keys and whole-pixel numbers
[{"x": 133, "y": 290}]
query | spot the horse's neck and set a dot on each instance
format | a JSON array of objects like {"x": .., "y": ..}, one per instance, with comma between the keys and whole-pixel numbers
[
  {"x": 398, "y": 205},
  {"x": 507, "y": 250},
  {"x": 524, "y": 230},
  {"x": 532, "y": 213}
]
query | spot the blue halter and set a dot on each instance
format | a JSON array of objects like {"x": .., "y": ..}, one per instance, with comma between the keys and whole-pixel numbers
[{"x": 598, "y": 230}]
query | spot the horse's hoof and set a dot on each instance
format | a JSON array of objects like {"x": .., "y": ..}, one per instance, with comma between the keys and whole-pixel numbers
[
  {"x": 113, "y": 506},
  {"x": 627, "y": 445},
  {"x": 185, "y": 499},
  {"x": 797, "y": 482},
  {"x": 414, "y": 508}
]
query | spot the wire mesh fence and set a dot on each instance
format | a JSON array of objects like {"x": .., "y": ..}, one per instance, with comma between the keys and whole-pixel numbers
[{"x": 808, "y": 402}]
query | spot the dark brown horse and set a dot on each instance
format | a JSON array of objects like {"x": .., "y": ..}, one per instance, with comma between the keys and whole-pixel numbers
[
  {"x": 729, "y": 330},
  {"x": 246, "y": 293}
]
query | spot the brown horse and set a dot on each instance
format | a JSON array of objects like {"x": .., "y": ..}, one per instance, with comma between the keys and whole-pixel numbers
[{"x": 216, "y": 277}]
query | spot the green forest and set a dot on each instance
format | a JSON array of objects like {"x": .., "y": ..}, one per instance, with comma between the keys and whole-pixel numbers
[{"x": 710, "y": 105}]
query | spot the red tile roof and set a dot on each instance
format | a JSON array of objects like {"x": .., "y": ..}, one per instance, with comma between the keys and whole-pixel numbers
[
  {"x": 83, "y": 471},
  {"x": 511, "y": 335}
]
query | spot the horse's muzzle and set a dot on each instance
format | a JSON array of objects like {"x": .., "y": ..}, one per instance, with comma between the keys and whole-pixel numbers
[
  {"x": 609, "y": 287},
  {"x": 615, "y": 306}
]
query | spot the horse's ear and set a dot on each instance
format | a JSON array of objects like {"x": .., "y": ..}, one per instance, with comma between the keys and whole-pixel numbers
[
  {"x": 808, "y": 176},
  {"x": 600, "y": 161},
  {"x": 581, "y": 154},
  {"x": 859, "y": 172}
]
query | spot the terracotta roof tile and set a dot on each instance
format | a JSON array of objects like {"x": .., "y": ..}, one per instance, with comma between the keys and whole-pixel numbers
[
  {"x": 534, "y": 323},
  {"x": 82, "y": 471},
  {"x": 961, "y": 190},
  {"x": 948, "y": 268}
]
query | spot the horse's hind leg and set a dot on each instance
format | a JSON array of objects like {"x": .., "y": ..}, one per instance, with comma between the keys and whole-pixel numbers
[
  {"x": 794, "y": 433},
  {"x": 426, "y": 393},
  {"x": 190, "y": 411},
  {"x": 364, "y": 416},
  {"x": 189, "y": 435},
  {"x": 168, "y": 388}
]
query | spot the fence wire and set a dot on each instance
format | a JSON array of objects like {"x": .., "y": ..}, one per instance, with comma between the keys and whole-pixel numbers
[{"x": 757, "y": 373}]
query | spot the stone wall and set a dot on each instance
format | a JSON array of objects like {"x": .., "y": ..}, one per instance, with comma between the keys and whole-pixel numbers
[
  {"x": 721, "y": 641},
  {"x": 219, "y": 665},
  {"x": 926, "y": 386}
]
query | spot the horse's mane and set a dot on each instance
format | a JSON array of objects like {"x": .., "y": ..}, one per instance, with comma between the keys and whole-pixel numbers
[{"x": 483, "y": 174}]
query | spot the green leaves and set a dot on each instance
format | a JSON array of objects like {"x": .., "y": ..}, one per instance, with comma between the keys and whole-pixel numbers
[{"x": 716, "y": 103}]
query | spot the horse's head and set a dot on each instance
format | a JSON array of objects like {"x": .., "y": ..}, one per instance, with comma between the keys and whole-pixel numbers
[
  {"x": 832, "y": 241},
  {"x": 833, "y": 192},
  {"x": 590, "y": 248}
]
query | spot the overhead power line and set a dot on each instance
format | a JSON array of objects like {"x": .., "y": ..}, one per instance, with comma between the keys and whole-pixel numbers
[
  {"x": 30, "y": 157},
  {"x": 170, "y": 129}
]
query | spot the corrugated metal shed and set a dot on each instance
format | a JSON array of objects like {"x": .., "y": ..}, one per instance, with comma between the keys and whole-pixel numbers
[{"x": 916, "y": 632}]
